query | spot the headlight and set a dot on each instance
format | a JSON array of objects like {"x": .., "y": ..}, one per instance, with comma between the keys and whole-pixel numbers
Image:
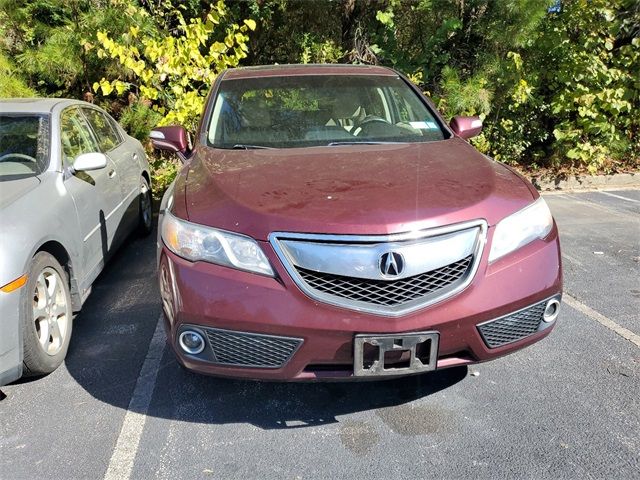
[
  {"x": 206, "y": 244},
  {"x": 520, "y": 228}
]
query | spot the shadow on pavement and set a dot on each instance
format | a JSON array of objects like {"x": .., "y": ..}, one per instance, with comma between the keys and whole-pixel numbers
[
  {"x": 189, "y": 397},
  {"x": 112, "y": 334}
]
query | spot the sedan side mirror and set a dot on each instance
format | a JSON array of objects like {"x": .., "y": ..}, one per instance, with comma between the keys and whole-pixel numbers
[
  {"x": 172, "y": 139},
  {"x": 466, "y": 127},
  {"x": 90, "y": 161}
]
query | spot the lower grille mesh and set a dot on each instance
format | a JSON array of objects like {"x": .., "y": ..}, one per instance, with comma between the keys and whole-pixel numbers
[
  {"x": 251, "y": 349},
  {"x": 512, "y": 327},
  {"x": 389, "y": 293}
]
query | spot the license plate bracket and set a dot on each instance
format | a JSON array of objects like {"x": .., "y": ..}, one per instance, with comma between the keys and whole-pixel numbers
[{"x": 421, "y": 347}]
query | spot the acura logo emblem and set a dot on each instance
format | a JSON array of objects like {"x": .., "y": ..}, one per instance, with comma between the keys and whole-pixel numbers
[{"x": 391, "y": 264}]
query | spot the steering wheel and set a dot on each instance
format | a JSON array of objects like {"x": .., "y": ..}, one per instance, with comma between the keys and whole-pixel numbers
[
  {"x": 369, "y": 119},
  {"x": 22, "y": 156}
]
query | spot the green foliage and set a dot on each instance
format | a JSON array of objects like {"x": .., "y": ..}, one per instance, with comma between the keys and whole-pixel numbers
[
  {"x": 557, "y": 89},
  {"x": 317, "y": 51},
  {"x": 292, "y": 31},
  {"x": 12, "y": 85},
  {"x": 175, "y": 69},
  {"x": 164, "y": 168},
  {"x": 596, "y": 85},
  {"x": 457, "y": 97},
  {"x": 138, "y": 120},
  {"x": 52, "y": 41}
]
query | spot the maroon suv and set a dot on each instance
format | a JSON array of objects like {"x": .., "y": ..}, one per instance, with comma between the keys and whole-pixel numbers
[{"x": 328, "y": 223}]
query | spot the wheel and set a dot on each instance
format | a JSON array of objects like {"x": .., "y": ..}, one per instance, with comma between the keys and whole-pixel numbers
[
  {"x": 45, "y": 316},
  {"x": 145, "y": 225}
]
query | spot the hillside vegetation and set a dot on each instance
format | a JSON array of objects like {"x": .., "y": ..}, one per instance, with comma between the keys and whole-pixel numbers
[{"x": 557, "y": 83}]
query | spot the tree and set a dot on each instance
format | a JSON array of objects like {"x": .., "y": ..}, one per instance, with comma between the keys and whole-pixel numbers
[{"x": 174, "y": 70}]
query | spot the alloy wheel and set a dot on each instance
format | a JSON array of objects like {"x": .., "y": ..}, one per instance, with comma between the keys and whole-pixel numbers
[{"x": 50, "y": 311}]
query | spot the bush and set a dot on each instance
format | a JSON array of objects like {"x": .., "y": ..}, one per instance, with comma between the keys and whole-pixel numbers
[
  {"x": 11, "y": 85},
  {"x": 138, "y": 120},
  {"x": 173, "y": 70}
]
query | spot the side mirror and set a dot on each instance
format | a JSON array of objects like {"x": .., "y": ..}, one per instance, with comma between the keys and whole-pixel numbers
[
  {"x": 90, "y": 161},
  {"x": 466, "y": 127},
  {"x": 172, "y": 139}
]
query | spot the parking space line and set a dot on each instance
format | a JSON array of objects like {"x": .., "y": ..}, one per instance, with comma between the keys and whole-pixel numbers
[
  {"x": 598, "y": 317},
  {"x": 572, "y": 260},
  {"x": 619, "y": 196},
  {"x": 598, "y": 206},
  {"x": 124, "y": 454}
]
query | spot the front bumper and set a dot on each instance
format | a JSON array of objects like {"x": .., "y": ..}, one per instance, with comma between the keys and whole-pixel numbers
[
  {"x": 10, "y": 341},
  {"x": 210, "y": 296}
]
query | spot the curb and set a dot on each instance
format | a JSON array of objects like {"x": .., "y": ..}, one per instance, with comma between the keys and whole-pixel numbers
[{"x": 586, "y": 182}]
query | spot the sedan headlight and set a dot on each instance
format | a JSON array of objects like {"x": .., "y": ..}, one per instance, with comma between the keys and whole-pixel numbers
[
  {"x": 199, "y": 243},
  {"x": 520, "y": 228}
]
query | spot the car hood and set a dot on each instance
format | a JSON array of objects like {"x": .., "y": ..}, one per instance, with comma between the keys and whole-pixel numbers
[
  {"x": 11, "y": 190},
  {"x": 363, "y": 189}
]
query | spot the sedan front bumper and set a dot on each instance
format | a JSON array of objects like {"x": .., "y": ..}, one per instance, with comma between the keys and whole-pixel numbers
[
  {"x": 10, "y": 340},
  {"x": 213, "y": 298}
]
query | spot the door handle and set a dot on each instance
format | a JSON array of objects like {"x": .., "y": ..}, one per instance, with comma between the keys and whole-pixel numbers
[
  {"x": 135, "y": 156},
  {"x": 112, "y": 173}
]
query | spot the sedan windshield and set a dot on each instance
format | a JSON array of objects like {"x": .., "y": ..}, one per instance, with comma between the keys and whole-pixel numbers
[
  {"x": 304, "y": 111},
  {"x": 24, "y": 145}
]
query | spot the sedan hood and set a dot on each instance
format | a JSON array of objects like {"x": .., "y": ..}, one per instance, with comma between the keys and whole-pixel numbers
[
  {"x": 362, "y": 189},
  {"x": 11, "y": 190}
]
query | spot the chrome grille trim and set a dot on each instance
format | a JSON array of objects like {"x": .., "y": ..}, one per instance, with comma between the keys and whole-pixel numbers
[
  {"x": 277, "y": 240},
  {"x": 255, "y": 350},
  {"x": 360, "y": 260},
  {"x": 514, "y": 326}
]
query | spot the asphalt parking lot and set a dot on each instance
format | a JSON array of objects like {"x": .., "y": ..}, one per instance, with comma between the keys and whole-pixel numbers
[{"x": 568, "y": 407}]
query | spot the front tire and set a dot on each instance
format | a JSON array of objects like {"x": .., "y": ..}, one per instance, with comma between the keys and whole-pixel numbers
[{"x": 46, "y": 316}]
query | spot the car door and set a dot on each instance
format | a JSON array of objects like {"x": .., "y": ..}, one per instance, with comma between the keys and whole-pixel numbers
[
  {"x": 96, "y": 193},
  {"x": 124, "y": 155}
]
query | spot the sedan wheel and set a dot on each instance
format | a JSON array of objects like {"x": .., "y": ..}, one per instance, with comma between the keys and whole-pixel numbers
[
  {"x": 50, "y": 311},
  {"x": 46, "y": 315}
]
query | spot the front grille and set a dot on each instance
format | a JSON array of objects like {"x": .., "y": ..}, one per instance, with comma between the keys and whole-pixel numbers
[
  {"x": 512, "y": 327},
  {"x": 251, "y": 349},
  {"x": 384, "y": 292}
]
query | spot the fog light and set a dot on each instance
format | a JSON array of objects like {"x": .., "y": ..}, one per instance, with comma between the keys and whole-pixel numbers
[
  {"x": 551, "y": 310},
  {"x": 191, "y": 342}
]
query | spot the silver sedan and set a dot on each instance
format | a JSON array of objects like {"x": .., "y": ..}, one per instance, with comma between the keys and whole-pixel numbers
[{"x": 73, "y": 186}]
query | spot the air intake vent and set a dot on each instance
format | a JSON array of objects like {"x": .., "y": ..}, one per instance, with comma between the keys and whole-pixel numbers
[
  {"x": 242, "y": 349},
  {"x": 512, "y": 327}
]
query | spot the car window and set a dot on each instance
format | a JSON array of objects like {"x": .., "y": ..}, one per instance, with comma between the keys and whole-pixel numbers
[
  {"x": 108, "y": 138},
  {"x": 313, "y": 110},
  {"x": 116, "y": 129},
  {"x": 24, "y": 145},
  {"x": 76, "y": 136}
]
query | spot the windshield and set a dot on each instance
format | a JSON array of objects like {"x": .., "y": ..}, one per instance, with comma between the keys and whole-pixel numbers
[
  {"x": 24, "y": 145},
  {"x": 304, "y": 111}
]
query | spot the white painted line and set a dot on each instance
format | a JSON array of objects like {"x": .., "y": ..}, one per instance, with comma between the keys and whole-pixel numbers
[
  {"x": 572, "y": 260},
  {"x": 124, "y": 454},
  {"x": 598, "y": 206},
  {"x": 598, "y": 317},
  {"x": 620, "y": 197}
]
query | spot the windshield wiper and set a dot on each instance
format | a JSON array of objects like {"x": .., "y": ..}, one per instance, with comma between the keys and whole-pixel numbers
[
  {"x": 242, "y": 146},
  {"x": 363, "y": 142}
]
